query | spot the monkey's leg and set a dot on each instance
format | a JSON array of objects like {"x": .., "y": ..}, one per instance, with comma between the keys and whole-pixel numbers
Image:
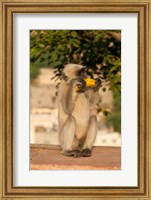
[
  {"x": 67, "y": 137},
  {"x": 91, "y": 135},
  {"x": 67, "y": 134}
]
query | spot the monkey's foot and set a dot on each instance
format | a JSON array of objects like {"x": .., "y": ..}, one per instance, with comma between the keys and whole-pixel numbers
[
  {"x": 74, "y": 153},
  {"x": 86, "y": 153},
  {"x": 77, "y": 153}
]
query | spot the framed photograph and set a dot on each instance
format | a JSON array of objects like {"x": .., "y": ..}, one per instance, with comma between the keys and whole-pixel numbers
[
  {"x": 70, "y": 54},
  {"x": 75, "y": 103}
]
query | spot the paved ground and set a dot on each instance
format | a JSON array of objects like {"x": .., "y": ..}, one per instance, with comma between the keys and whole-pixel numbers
[{"x": 47, "y": 157}]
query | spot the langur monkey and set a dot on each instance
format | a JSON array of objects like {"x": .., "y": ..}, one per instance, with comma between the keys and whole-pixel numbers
[{"x": 77, "y": 126}]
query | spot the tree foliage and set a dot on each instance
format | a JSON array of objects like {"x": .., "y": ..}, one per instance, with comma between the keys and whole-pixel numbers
[{"x": 99, "y": 50}]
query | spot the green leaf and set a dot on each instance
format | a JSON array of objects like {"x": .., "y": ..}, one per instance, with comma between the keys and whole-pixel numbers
[
  {"x": 106, "y": 113},
  {"x": 75, "y": 42},
  {"x": 41, "y": 45},
  {"x": 73, "y": 34},
  {"x": 104, "y": 89}
]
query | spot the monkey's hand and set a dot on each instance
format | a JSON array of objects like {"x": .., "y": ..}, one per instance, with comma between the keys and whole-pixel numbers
[
  {"x": 82, "y": 86},
  {"x": 79, "y": 84},
  {"x": 97, "y": 84}
]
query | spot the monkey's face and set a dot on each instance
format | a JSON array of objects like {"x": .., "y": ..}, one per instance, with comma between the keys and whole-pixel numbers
[
  {"x": 81, "y": 73},
  {"x": 72, "y": 71}
]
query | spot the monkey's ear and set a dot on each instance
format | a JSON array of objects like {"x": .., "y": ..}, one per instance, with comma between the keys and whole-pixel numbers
[{"x": 64, "y": 77}]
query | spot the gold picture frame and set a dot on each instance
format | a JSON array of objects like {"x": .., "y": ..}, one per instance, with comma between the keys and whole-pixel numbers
[{"x": 8, "y": 8}]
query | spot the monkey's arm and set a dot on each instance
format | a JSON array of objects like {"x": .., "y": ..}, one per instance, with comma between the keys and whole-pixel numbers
[
  {"x": 71, "y": 97},
  {"x": 93, "y": 94},
  {"x": 93, "y": 97},
  {"x": 68, "y": 96}
]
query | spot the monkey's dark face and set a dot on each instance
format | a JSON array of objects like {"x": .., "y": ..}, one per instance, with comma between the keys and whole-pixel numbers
[{"x": 82, "y": 73}]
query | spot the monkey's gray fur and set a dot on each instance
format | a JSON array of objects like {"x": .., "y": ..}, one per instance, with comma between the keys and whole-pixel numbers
[{"x": 77, "y": 126}]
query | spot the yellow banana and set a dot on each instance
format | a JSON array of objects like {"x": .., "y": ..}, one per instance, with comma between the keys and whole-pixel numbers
[{"x": 89, "y": 83}]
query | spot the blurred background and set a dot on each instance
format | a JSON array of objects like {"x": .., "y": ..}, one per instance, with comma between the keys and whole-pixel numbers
[{"x": 50, "y": 50}]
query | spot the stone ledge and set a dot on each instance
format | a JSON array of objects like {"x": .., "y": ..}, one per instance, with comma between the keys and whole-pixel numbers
[{"x": 48, "y": 157}]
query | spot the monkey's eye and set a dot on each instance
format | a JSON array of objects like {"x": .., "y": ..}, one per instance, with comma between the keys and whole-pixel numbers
[{"x": 82, "y": 73}]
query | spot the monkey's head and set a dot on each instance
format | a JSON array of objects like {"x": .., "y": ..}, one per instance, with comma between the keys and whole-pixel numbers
[{"x": 72, "y": 71}]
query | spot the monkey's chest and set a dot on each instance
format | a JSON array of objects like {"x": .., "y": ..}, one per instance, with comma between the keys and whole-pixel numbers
[
  {"x": 81, "y": 106},
  {"x": 81, "y": 113}
]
